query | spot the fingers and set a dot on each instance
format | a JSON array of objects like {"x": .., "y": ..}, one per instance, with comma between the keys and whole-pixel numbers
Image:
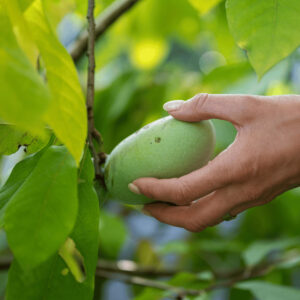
[
  {"x": 169, "y": 214},
  {"x": 183, "y": 190},
  {"x": 207, "y": 211},
  {"x": 236, "y": 109}
]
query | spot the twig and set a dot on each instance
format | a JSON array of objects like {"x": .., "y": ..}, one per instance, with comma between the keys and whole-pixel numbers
[
  {"x": 240, "y": 275},
  {"x": 92, "y": 131},
  {"x": 131, "y": 273},
  {"x": 105, "y": 20},
  {"x": 148, "y": 283},
  {"x": 132, "y": 268}
]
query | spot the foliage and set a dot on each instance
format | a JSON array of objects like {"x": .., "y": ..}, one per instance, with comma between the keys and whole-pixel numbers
[{"x": 158, "y": 51}]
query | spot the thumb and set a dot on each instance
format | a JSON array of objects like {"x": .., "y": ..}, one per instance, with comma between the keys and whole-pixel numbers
[{"x": 233, "y": 108}]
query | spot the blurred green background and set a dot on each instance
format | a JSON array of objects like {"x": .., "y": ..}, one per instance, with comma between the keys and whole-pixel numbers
[{"x": 160, "y": 51}]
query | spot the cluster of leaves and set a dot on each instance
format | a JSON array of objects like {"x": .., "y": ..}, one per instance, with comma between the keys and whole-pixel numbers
[{"x": 48, "y": 206}]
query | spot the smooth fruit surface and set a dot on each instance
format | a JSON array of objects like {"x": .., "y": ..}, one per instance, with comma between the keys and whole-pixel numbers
[{"x": 165, "y": 148}]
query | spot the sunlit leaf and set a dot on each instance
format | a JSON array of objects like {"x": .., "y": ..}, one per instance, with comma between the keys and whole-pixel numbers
[
  {"x": 204, "y": 6},
  {"x": 67, "y": 112},
  {"x": 268, "y": 30},
  {"x": 24, "y": 97},
  {"x": 268, "y": 291},
  {"x": 24, "y": 4},
  {"x": 44, "y": 208},
  {"x": 14, "y": 9},
  {"x": 11, "y": 138}
]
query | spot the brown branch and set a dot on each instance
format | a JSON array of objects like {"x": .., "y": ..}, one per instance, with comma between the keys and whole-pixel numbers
[
  {"x": 105, "y": 20},
  {"x": 131, "y": 273},
  {"x": 132, "y": 268},
  {"x": 238, "y": 275},
  {"x": 93, "y": 134},
  {"x": 145, "y": 282}
]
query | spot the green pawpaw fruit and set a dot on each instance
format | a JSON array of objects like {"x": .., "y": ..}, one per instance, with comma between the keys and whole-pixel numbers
[{"x": 165, "y": 148}]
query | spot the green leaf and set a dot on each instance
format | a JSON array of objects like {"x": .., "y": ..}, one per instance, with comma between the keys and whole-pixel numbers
[
  {"x": 11, "y": 138},
  {"x": 268, "y": 30},
  {"x": 67, "y": 111},
  {"x": 42, "y": 211},
  {"x": 204, "y": 6},
  {"x": 14, "y": 11},
  {"x": 268, "y": 291},
  {"x": 24, "y": 96},
  {"x": 52, "y": 280},
  {"x": 218, "y": 80},
  {"x": 258, "y": 250},
  {"x": 150, "y": 294},
  {"x": 112, "y": 236},
  {"x": 188, "y": 280},
  {"x": 24, "y": 4},
  {"x": 19, "y": 174}
]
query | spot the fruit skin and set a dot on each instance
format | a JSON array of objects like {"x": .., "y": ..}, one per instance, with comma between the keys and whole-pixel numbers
[{"x": 165, "y": 148}]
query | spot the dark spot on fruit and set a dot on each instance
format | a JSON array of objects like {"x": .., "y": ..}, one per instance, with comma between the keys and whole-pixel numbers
[{"x": 157, "y": 139}]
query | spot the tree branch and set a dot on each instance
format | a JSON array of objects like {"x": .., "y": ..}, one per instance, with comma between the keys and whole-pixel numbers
[
  {"x": 132, "y": 268},
  {"x": 105, "y": 20},
  {"x": 237, "y": 276},
  {"x": 131, "y": 273},
  {"x": 93, "y": 134},
  {"x": 145, "y": 282}
]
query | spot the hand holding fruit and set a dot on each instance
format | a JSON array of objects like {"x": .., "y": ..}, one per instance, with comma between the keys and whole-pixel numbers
[{"x": 263, "y": 161}]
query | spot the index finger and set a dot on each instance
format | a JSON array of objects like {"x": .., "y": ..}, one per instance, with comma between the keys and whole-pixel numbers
[{"x": 183, "y": 190}]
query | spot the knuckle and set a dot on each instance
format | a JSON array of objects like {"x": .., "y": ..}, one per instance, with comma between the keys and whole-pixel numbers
[
  {"x": 192, "y": 223},
  {"x": 200, "y": 101},
  {"x": 181, "y": 193},
  {"x": 193, "y": 227},
  {"x": 251, "y": 106}
]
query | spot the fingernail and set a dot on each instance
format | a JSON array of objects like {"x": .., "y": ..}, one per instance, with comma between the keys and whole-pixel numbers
[
  {"x": 145, "y": 212},
  {"x": 173, "y": 105},
  {"x": 133, "y": 188}
]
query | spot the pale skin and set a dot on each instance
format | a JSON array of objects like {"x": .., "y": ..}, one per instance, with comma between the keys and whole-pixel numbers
[{"x": 261, "y": 163}]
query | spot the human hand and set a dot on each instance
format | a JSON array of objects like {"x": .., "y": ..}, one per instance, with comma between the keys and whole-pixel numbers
[{"x": 262, "y": 162}]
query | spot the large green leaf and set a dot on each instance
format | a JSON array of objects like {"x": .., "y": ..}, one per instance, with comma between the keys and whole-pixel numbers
[
  {"x": 42, "y": 211},
  {"x": 67, "y": 112},
  {"x": 11, "y": 138},
  {"x": 268, "y": 291},
  {"x": 19, "y": 174},
  {"x": 14, "y": 9},
  {"x": 268, "y": 30},
  {"x": 24, "y": 97},
  {"x": 52, "y": 280},
  {"x": 258, "y": 250}
]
